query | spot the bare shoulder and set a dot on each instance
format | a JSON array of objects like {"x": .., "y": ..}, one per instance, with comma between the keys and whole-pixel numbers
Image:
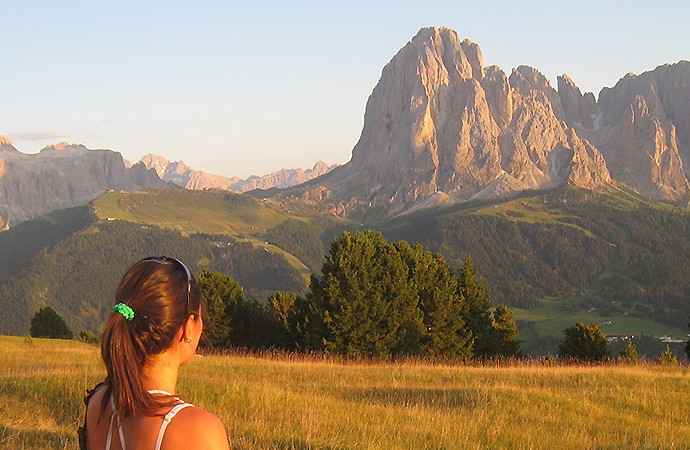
[
  {"x": 95, "y": 427},
  {"x": 197, "y": 426},
  {"x": 93, "y": 409}
]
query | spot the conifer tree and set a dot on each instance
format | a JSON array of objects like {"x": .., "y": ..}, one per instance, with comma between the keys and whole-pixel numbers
[
  {"x": 290, "y": 315},
  {"x": 442, "y": 306},
  {"x": 667, "y": 358},
  {"x": 223, "y": 295},
  {"x": 629, "y": 352},
  {"x": 365, "y": 304},
  {"x": 505, "y": 333},
  {"x": 47, "y": 323},
  {"x": 478, "y": 318}
]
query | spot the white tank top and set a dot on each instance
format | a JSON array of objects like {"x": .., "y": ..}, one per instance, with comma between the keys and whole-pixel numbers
[{"x": 161, "y": 432}]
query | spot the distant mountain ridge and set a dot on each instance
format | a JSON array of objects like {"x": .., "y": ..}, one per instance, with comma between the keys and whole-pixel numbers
[
  {"x": 65, "y": 175},
  {"x": 179, "y": 173},
  {"x": 441, "y": 128},
  {"x": 62, "y": 176},
  {"x": 182, "y": 175}
]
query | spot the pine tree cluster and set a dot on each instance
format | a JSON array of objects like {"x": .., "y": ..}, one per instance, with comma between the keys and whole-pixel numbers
[{"x": 373, "y": 299}]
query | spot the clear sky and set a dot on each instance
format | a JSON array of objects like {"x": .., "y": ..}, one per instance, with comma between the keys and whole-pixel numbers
[{"x": 241, "y": 88}]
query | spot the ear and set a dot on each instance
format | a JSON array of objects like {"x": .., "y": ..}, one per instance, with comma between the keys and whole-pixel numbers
[{"x": 188, "y": 330}]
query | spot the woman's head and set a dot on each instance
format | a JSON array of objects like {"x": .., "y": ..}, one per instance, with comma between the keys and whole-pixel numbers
[{"x": 163, "y": 296}]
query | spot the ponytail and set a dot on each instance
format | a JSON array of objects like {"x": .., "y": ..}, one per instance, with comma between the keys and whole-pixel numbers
[{"x": 160, "y": 296}]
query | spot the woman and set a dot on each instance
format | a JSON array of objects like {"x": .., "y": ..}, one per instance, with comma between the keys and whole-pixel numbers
[{"x": 154, "y": 329}]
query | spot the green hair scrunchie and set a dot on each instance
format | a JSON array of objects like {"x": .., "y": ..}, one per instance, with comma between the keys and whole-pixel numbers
[{"x": 125, "y": 310}]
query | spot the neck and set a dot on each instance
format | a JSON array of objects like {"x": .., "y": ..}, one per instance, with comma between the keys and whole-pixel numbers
[{"x": 161, "y": 373}]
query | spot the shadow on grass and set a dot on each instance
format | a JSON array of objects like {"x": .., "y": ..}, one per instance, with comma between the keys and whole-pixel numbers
[
  {"x": 296, "y": 444},
  {"x": 431, "y": 398},
  {"x": 15, "y": 438}
]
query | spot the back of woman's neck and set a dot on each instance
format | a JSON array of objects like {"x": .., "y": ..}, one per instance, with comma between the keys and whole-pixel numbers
[{"x": 160, "y": 377}]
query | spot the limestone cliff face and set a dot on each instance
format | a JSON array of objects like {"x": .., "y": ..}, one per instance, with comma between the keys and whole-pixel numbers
[
  {"x": 642, "y": 128},
  {"x": 438, "y": 121},
  {"x": 61, "y": 176}
]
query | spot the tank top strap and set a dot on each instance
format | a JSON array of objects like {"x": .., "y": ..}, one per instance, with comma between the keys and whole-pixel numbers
[
  {"x": 110, "y": 432},
  {"x": 113, "y": 417},
  {"x": 161, "y": 391},
  {"x": 166, "y": 421}
]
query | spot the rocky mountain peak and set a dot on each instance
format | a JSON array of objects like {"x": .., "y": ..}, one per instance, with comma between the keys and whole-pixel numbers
[
  {"x": 320, "y": 167},
  {"x": 565, "y": 80},
  {"x": 439, "y": 122},
  {"x": 442, "y": 48},
  {"x": 156, "y": 162},
  {"x": 578, "y": 108},
  {"x": 531, "y": 83},
  {"x": 526, "y": 79},
  {"x": 64, "y": 147},
  {"x": 7, "y": 147}
]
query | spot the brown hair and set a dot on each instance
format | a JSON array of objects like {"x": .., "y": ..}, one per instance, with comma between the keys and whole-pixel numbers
[{"x": 163, "y": 295}]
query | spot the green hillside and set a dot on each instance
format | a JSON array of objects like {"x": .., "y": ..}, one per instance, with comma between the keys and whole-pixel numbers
[
  {"x": 301, "y": 239},
  {"x": 72, "y": 259},
  {"x": 186, "y": 211},
  {"x": 20, "y": 244},
  {"x": 610, "y": 257}
]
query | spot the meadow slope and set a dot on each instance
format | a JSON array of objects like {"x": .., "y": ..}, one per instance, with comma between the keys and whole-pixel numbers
[{"x": 299, "y": 403}]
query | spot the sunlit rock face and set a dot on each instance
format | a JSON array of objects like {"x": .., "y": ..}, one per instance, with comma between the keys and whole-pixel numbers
[
  {"x": 438, "y": 121},
  {"x": 642, "y": 128}
]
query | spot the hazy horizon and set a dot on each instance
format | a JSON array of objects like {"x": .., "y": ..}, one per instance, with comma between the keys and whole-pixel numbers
[{"x": 241, "y": 89}]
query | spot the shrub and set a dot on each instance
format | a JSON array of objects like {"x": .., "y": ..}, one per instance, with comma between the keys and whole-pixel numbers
[
  {"x": 584, "y": 342},
  {"x": 88, "y": 337}
]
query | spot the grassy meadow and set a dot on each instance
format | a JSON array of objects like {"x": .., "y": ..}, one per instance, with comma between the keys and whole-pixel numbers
[
  {"x": 302, "y": 403},
  {"x": 212, "y": 212},
  {"x": 550, "y": 318}
]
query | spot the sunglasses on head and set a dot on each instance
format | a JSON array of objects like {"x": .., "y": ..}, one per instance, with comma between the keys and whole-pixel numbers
[{"x": 167, "y": 260}]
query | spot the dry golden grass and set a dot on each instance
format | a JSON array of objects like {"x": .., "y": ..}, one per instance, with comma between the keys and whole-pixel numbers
[
  {"x": 41, "y": 386},
  {"x": 306, "y": 403}
]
